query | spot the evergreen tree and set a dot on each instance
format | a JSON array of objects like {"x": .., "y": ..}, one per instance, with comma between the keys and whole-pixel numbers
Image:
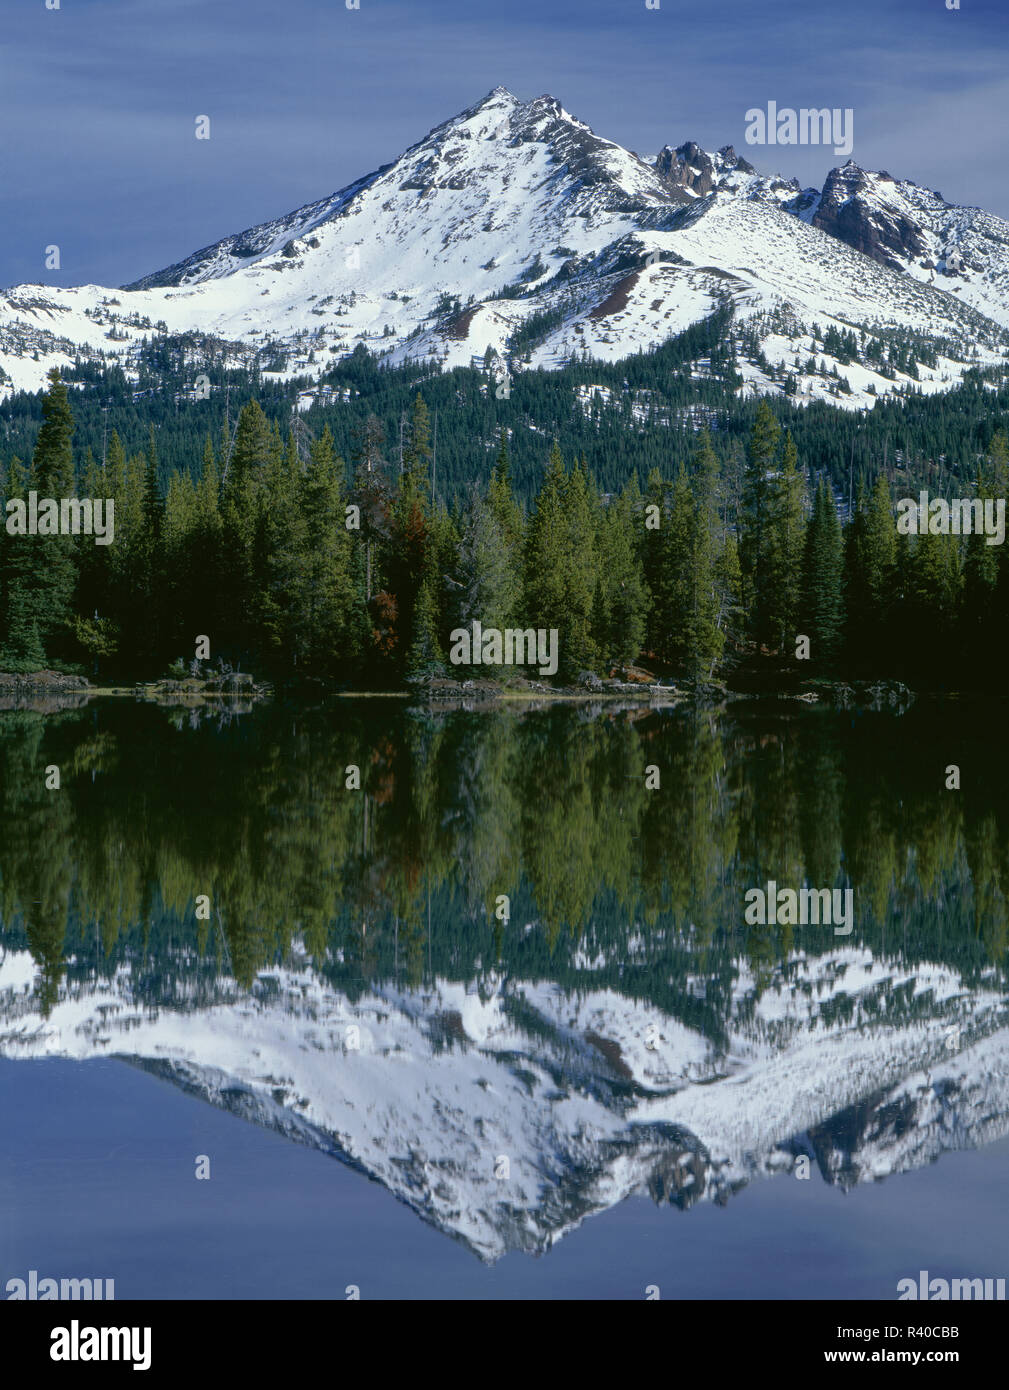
[
  {"x": 729, "y": 616},
  {"x": 822, "y": 599},
  {"x": 870, "y": 577},
  {"x": 785, "y": 535},
  {"x": 41, "y": 570},
  {"x": 487, "y": 587},
  {"x": 679, "y": 537},
  {"x": 544, "y": 591},
  {"x": 425, "y": 657},
  {"x": 932, "y": 596},
  {"x": 243, "y": 497},
  {"x": 502, "y": 501},
  {"x": 618, "y": 622},
  {"x": 655, "y": 517},
  {"x": 755, "y": 549},
  {"x": 371, "y": 494},
  {"x": 580, "y": 562},
  {"x": 706, "y": 639},
  {"x": 325, "y": 601},
  {"x": 415, "y": 483}
]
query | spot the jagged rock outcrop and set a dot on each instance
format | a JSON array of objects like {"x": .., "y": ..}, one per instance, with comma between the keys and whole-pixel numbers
[
  {"x": 852, "y": 210},
  {"x": 690, "y": 167}
]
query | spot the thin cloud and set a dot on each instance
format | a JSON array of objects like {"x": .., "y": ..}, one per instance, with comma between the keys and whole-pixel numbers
[{"x": 99, "y": 100}]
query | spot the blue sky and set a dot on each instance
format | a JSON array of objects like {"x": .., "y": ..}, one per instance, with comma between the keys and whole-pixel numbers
[{"x": 99, "y": 100}]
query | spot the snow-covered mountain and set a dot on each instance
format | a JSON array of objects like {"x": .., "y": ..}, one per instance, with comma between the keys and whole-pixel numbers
[
  {"x": 913, "y": 229},
  {"x": 505, "y": 1112},
  {"x": 514, "y": 227}
]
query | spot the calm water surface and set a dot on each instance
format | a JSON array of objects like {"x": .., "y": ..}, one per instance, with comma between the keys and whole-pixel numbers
[{"x": 511, "y": 983}]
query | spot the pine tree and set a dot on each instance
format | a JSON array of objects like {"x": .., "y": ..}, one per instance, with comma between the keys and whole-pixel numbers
[
  {"x": 728, "y": 583},
  {"x": 679, "y": 535},
  {"x": 153, "y": 577},
  {"x": 178, "y": 527},
  {"x": 544, "y": 590},
  {"x": 94, "y": 629},
  {"x": 998, "y": 482},
  {"x": 502, "y": 501},
  {"x": 22, "y": 649},
  {"x": 41, "y": 570},
  {"x": 785, "y": 537},
  {"x": 129, "y": 557},
  {"x": 580, "y": 560},
  {"x": 655, "y": 517},
  {"x": 415, "y": 484},
  {"x": 243, "y": 496},
  {"x": 279, "y": 552},
  {"x": 870, "y": 576},
  {"x": 425, "y": 657},
  {"x": 487, "y": 586},
  {"x": 18, "y": 623},
  {"x": 932, "y": 598},
  {"x": 618, "y": 620},
  {"x": 755, "y": 555},
  {"x": 371, "y": 494},
  {"x": 325, "y": 601},
  {"x": 822, "y": 610},
  {"x": 705, "y": 637}
]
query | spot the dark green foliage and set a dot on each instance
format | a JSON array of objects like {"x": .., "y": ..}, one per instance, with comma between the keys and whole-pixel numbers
[
  {"x": 39, "y": 573},
  {"x": 822, "y": 611},
  {"x": 290, "y": 563}
]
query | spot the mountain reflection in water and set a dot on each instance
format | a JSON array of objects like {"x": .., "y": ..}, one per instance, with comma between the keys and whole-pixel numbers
[{"x": 505, "y": 977}]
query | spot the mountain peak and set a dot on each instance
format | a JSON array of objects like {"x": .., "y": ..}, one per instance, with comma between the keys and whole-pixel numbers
[
  {"x": 498, "y": 98},
  {"x": 515, "y": 209}
]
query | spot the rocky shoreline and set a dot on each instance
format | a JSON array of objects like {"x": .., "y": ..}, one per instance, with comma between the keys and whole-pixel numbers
[
  {"x": 66, "y": 691},
  {"x": 232, "y": 685},
  {"x": 878, "y": 696},
  {"x": 47, "y": 682}
]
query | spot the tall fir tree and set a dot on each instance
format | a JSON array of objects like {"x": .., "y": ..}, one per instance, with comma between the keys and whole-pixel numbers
[
  {"x": 870, "y": 577},
  {"x": 618, "y": 620},
  {"x": 822, "y": 607},
  {"x": 785, "y": 537},
  {"x": 706, "y": 639},
  {"x": 41, "y": 570},
  {"x": 544, "y": 589},
  {"x": 415, "y": 483},
  {"x": 755, "y": 548}
]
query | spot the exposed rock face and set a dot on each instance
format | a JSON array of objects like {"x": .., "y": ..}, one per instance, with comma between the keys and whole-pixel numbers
[
  {"x": 48, "y": 682},
  {"x": 597, "y": 164},
  {"x": 852, "y": 209},
  {"x": 690, "y": 167}
]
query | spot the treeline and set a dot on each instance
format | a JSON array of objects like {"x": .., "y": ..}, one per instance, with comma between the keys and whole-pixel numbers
[
  {"x": 294, "y": 564},
  {"x": 634, "y": 415}
]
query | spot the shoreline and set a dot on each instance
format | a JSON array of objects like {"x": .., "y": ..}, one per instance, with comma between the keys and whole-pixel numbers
[{"x": 441, "y": 693}]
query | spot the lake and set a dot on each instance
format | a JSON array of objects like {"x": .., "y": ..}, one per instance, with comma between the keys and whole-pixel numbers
[{"x": 498, "y": 961}]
